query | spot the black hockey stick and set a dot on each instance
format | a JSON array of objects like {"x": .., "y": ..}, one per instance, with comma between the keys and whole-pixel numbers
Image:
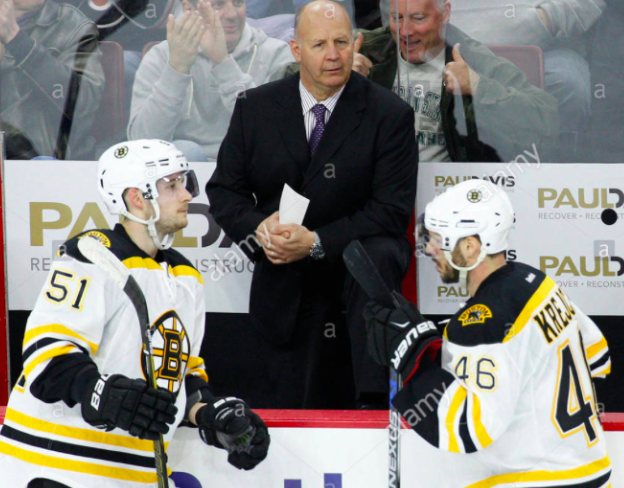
[
  {"x": 365, "y": 273},
  {"x": 99, "y": 255}
]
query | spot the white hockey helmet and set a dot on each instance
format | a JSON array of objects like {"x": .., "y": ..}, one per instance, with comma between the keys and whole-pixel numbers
[
  {"x": 140, "y": 164},
  {"x": 473, "y": 207}
]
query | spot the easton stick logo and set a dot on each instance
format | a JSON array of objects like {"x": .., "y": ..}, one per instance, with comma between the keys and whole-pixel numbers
[
  {"x": 475, "y": 315},
  {"x": 171, "y": 347}
]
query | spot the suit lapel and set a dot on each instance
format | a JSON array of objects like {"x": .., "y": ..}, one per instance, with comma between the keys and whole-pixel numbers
[
  {"x": 291, "y": 124},
  {"x": 343, "y": 121}
]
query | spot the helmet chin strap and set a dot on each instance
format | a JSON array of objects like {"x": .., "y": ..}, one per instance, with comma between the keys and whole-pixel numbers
[
  {"x": 151, "y": 227},
  {"x": 463, "y": 271}
]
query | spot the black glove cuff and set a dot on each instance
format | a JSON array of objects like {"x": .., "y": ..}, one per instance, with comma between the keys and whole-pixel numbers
[
  {"x": 83, "y": 382},
  {"x": 204, "y": 417},
  {"x": 421, "y": 358}
]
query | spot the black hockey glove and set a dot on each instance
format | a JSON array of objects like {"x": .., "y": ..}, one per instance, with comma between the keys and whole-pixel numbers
[
  {"x": 228, "y": 423},
  {"x": 401, "y": 337},
  {"x": 111, "y": 401}
]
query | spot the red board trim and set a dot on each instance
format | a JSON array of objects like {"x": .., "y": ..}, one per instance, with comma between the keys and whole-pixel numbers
[
  {"x": 354, "y": 419},
  {"x": 4, "y": 336}
]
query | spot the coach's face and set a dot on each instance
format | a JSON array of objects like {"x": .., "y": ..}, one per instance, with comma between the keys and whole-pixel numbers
[
  {"x": 420, "y": 26},
  {"x": 324, "y": 47}
]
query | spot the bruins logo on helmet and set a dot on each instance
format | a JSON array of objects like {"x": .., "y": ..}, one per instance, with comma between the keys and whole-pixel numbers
[
  {"x": 475, "y": 315},
  {"x": 104, "y": 240},
  {"x": 172, "y": 349},
  {"x": 474, "y": 196},
  {"x": 121, "y": 152}
]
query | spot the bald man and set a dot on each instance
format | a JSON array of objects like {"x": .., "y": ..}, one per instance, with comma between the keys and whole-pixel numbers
[{"x": 348, "y": 145}]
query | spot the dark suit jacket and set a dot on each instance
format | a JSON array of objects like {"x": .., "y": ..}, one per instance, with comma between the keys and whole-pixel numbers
[{"x": 361, "y": 182}]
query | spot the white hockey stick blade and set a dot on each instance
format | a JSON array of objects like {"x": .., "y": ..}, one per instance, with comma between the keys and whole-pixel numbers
[{"x": 98, "y": 254}]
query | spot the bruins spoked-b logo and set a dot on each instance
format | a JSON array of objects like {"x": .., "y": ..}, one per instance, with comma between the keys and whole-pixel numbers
[
  {"x": 104, "y": 240},
  {"x": 475, "y": 315},
  {"x": 121, "y": 152},
  {"x": 474, "y": 196},
  {"x": 171, "y": 351}
]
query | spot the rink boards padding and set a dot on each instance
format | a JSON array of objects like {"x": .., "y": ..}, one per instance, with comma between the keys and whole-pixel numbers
[{"x": 341, "y": 449}]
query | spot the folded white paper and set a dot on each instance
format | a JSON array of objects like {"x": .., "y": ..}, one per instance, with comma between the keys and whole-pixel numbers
[{"x": 293, "y": 207}]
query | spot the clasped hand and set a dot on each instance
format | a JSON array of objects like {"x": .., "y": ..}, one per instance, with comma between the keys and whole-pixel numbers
[{"x": 284, "y": 243}]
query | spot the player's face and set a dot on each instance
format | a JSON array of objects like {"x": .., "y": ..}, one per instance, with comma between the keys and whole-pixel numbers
[
  {"x": 324, "y": 47},
  {"x": 448, "y": 274},
  {"x": 173, "y": 200},
  {"x": 421, "y": 28},
  {"x": 233, "y": 14}
]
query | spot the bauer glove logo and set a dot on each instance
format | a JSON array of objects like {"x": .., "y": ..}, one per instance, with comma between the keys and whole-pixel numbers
[
  {"x": 410, "y": 338},
  {"x": 97, "y": 391}
]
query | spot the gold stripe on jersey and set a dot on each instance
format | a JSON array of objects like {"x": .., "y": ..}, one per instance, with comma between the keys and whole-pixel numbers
[
  {"x": 597, "y": 348},
  {"x": 540, "y": 476},
  {"x": 149, "y": 263},
  {"x": 183, "y": 270},
  {"x": 56, "y": 329},
  {"x": 79, "y": 466},
  {"x": 196, "y": 366},
  {"x": 36, "y": 361},
  {"x": 479, "y": 428},
  {"x": 136, "y": 262},
  {"x": 79, "y": 434},
  {"x": 458, "y": 400},
  {"x": 600, "y": 372},
  {"x": 538, "y": 297}
]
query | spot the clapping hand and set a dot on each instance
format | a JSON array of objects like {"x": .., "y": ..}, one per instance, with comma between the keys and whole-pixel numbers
[
  {"x": 213, "y": 41},
  {"x": 183, "y": 37}
]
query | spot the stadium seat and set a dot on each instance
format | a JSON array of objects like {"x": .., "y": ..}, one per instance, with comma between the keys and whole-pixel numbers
[
  {"x": 529, "y": 59},
  {"x": 111, "y": 120}
]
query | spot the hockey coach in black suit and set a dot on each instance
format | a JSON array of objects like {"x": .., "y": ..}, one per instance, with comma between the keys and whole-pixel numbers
[{"x": 349, "y": 146}]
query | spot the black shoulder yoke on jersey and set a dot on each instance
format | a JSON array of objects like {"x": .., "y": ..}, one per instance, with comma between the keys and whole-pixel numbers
[
  {"x": 489, "y": 315},
  {"x": 122, "y": 246}
]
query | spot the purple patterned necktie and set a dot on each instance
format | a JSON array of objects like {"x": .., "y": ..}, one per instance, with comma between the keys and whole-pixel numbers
[{"x": 319, "y": 128}]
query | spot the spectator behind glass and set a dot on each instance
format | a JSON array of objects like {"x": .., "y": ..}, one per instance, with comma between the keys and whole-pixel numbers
[
  {"x": 607, "y": 120},
  {"x": 277, "y": 19},
  {"x": 470, "y": 105},
  {"x": 258, "y": 9},
  {"x": 186, "y": 87},
  {"x": 132, "y": 24},
  {"x": 556, "y": 26},
  {"x": 51, "y": 79}
]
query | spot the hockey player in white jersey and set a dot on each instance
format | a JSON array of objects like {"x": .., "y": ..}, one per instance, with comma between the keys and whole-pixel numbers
[
  {"x": 81, "y": 414},
  {"x": 510, "y": 381}
]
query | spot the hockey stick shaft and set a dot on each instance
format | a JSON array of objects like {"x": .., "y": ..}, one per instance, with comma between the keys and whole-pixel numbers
[
  {"x": 363, "y": 270},
  {"x": 99, "y": 255}
]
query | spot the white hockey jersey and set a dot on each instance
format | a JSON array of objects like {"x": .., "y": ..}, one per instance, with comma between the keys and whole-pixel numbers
[
  {"x": 514, "y": 390},
  {"x": 82, "y": 311}
]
